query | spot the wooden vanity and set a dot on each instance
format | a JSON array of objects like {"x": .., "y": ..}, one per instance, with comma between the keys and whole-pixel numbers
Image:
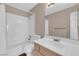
[
  {"x": 49, "y": 47},
  {"x": 42, "y": 51}
]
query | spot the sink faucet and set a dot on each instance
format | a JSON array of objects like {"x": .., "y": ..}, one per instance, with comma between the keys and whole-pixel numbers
[{"x": 57, "y": 40}]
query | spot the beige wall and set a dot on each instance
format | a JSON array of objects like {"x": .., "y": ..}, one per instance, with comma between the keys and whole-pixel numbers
[
  {"x": 59, "y": 22},
  {"x": 39, "y": 11}
]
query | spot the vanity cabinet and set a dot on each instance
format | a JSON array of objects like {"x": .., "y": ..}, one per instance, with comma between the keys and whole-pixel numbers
[{"x": 43, "y": 51}]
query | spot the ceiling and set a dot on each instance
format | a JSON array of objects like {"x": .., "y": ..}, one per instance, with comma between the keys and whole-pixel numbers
[
  {"x": 23, "y": 6},
  {"x": 58, "y": 7},
  {"x": 55, "y": 8}
]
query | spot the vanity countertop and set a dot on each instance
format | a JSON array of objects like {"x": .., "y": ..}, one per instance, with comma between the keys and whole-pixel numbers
[{"x": 64, "y": 47}]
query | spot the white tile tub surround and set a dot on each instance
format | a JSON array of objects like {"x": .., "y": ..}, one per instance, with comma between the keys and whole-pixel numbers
[
  {"x": 17, "y": 33},
  {"x": 2, "y": 30},
  {"x": 17, "y": 29},
  {"x": 14, "y": 32}
]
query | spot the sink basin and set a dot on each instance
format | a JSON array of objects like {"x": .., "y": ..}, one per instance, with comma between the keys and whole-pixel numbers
[
  {"x": 54, "y": 43},
  {"x": 56, "y": 40}
]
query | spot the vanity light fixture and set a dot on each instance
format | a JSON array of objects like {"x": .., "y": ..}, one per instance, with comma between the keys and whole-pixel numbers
[{"x": 50, "y": 4}]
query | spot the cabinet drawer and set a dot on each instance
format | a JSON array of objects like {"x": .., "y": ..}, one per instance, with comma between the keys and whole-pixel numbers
[{"x": 47, "y": 52}]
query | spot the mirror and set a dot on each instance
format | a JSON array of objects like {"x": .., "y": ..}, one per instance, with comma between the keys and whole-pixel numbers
[{"x": 63, "y": 22}]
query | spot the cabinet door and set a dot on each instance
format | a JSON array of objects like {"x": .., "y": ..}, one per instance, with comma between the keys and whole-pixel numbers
[
  {"x": 47, "y": 52},
  {"x": 36, "y": 46},
  {"x": 36, "y": 51}
]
